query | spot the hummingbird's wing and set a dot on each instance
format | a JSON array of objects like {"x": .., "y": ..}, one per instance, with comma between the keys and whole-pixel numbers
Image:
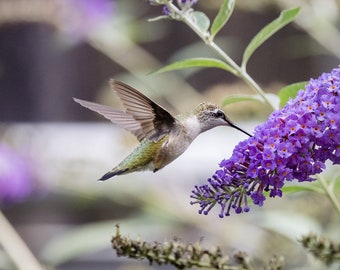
[
  {"x": 120, "y": 118},
  {"x": 143, "y": 117},
  {"x": 155, "y": 121}
]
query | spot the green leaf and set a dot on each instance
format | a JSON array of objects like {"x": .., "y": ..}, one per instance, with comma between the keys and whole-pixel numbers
[
  {"x": 201, "y": 20},
  {"x": 285, "y": 17},
  {"x": 222, "y": 17},
  {"x": 335, "y": 184},
  {"x": 239, "y": 98},
  {"x": 70, "y": 244},
  {"x": 287, "y": 223},
  {"x": 290, "y": 91},
  {"x": 299, "y": 188},
  {"x": 74, "y": 243},
  {"x": 196, "y": 63}
]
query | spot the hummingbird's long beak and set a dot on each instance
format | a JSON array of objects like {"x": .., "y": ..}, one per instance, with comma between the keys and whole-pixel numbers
[{"x": 238, "y": 128}]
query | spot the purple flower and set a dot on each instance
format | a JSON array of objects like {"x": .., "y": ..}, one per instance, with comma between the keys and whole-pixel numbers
[
  {"x": 80, "y": 17},
  {"x": 187, "y": 2},
  {"x": 15, "y": 176},
  {"x": 166, "y": 11},
  {"x": 294, "y": 143},
  {"x": 182, "y": 4}
]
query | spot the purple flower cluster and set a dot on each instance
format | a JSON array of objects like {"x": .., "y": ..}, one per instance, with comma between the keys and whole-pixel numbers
[{"x": 293, "y": 143}]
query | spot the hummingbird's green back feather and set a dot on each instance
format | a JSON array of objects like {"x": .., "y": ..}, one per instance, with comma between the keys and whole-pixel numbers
[{"x": 140, "y": 159}]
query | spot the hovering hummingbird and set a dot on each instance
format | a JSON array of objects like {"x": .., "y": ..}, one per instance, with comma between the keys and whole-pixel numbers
[{"x": 162, "y": 137}]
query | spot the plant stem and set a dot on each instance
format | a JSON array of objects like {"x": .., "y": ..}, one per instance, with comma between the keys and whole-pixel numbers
[
  {"x": 240, "y": 72},
  {"x": 329, "y": 193},
  {"x": 16, "y": 247},
  {"x": 205, "y": 36}
]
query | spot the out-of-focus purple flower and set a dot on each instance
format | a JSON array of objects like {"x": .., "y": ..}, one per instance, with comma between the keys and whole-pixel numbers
[
  {"x": 80, "y": 17},
  {"x": 15, "y": 176},
  {"x": 294, "y": 143},
  {"x": 166, "y": 10}
]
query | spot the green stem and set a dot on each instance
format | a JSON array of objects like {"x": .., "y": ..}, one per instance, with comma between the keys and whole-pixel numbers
[
  {"x": 205, "y": 36},
  {"x": 240, "y": 72},
  {"x": 329, "y": 193},
  {"x": 15, "y": 247}
]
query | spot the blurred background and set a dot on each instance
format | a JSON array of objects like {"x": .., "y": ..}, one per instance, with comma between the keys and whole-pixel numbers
[{"x": 52, "y": 151}]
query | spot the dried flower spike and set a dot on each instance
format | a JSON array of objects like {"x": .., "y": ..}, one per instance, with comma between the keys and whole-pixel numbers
[
  {"x": 180, "y": 255},
  {"x": 322, "y": 248}
]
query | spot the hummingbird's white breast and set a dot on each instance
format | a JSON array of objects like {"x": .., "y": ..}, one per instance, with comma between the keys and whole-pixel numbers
[{"x": 192, "y": 127}]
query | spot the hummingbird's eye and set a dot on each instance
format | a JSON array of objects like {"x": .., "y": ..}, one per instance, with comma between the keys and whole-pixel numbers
[{"x": 219, "y": 114}]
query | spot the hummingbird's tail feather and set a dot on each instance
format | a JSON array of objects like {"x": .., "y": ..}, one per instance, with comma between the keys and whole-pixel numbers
[{"x": 112, "y": 174}]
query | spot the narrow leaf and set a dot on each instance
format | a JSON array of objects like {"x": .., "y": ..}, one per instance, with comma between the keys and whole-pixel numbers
[
  {"x": 295, "y": 188},
  {"x": 196, "y": 63},
  {"x": 69, "y": 245},
  {"x": 90, "y": 238},
  {"x": 239, "y": 98},
  {"x": 285, "y": 17},
  {"x": 290, "y": 91},
  {"x": 222, "y": 17}
]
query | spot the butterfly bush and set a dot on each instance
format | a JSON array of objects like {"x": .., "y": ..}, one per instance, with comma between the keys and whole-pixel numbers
[{"x": 294, "y": 143}]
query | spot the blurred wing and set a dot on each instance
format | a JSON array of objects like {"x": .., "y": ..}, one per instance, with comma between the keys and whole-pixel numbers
[
  {"x": 120, "y": 118},
  {"x": 154, "y": 120}
]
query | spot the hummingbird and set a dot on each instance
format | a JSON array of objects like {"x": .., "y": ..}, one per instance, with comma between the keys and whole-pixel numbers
[{"x": 162, "y": 136}]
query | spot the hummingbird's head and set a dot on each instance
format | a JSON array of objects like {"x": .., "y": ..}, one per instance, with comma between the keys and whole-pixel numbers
[{"x": 211, "y": 115}]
